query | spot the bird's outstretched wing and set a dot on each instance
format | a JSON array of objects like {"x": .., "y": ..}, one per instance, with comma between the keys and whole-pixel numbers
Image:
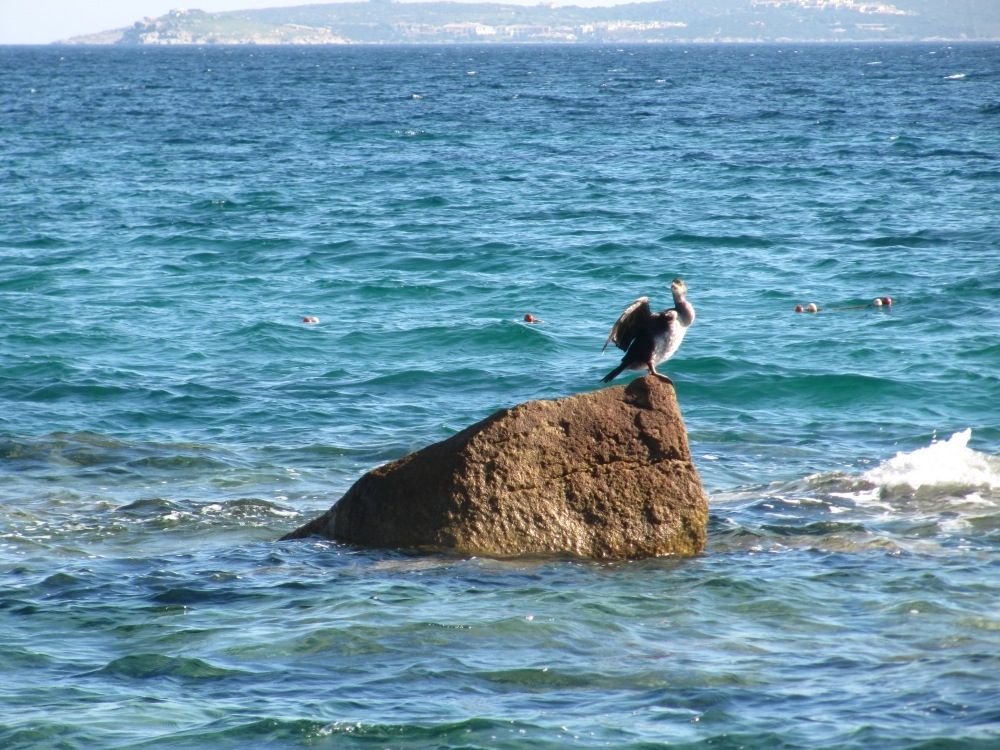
[{"x": 629, "y": 323}]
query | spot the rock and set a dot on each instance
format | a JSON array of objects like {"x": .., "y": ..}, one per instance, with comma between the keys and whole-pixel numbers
[{"x": 606, "y": 475}]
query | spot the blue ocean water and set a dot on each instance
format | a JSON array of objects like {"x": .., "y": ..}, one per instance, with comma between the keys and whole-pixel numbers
[{"x": 169, "y": 217}]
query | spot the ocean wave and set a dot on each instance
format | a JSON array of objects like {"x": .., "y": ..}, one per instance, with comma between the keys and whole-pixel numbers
[
  {"x": 429, "y": 380},
  {"x": 274, "y": 732},
  {"x": 699, "y": 240},
  {"x": 917, "y": 239},
  {"x": 68, "y": 525},
  {"x": 949, "y": 464},
  {"x": 426, "y": 201},
  {"x": 943, "y": 478},
  {"x": 918, "y": 501},
  {"x": 747, "y": 383},
  {"x": 146, "y": 666},
  {"x": 88, "y": 449},
  {"x": 241, "y": 512},
  {"x": 463, "y": 335},
  {"x": 984, "y": 282},
  {"x": 962, "y": 153}
]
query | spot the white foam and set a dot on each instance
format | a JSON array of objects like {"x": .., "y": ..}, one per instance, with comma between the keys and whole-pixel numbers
[
  {"x": 949, "y": 462},
  {"x": 955, "y": 77}
]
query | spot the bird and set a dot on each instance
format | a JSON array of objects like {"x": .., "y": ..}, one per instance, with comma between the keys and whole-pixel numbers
[{"x": 647, "y": 338}]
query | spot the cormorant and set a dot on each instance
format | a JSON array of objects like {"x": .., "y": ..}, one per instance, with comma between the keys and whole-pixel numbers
[{"x": 649, "y": 338}]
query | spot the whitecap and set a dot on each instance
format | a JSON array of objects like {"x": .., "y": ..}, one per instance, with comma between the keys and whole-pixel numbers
[
  {"x": 955, "y": 525},
  {"x": 955, "y": 77},
  {"x": 866, "y": 496},
  {"x": 944, "y": 463}
]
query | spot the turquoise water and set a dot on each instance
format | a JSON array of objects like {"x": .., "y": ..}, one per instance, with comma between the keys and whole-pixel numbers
[{"x": 168, "y": 218}]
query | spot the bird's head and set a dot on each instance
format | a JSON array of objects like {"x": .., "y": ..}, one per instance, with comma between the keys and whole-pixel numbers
[{"x": 678, "y": 287}]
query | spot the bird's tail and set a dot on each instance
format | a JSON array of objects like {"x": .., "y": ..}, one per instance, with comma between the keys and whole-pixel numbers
[{"x": 613, "y": 374}]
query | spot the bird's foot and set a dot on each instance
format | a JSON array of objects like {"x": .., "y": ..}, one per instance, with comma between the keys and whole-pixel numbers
[{"x": 660, "y": 375}]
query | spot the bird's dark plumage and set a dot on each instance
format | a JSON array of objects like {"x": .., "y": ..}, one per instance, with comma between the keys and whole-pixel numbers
[{"x": 649, "y": 338}]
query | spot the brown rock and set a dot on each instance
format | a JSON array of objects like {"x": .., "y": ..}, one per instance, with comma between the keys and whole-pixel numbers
[{"x": 606, "y": 474}]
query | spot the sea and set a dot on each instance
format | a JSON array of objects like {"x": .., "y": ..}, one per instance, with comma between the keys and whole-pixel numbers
[{"x": 234, "y": 279}]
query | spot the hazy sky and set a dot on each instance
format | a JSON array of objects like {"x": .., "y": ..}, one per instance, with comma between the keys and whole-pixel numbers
[{"x": 44, "y": 21}]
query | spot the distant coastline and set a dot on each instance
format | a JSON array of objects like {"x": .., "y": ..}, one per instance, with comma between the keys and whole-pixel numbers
[{"x": 672, "y": 21}]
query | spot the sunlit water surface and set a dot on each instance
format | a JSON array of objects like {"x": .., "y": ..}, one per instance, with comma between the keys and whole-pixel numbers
[{"x": 168, "y": 217}]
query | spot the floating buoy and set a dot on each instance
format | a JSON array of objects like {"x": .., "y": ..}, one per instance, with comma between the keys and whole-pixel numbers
[
  {"x": 812, "y": 307},
  {"x": 887, "y": 301},
  {"x": 310, "y": 319},
  {"x": 799, "y": 308},
  {"x": 877, "y": 302},
  {"x": 529, "y": 318}
]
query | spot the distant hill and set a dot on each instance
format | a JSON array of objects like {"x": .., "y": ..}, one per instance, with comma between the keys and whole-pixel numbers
[{"x": 386, "y": 22}]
